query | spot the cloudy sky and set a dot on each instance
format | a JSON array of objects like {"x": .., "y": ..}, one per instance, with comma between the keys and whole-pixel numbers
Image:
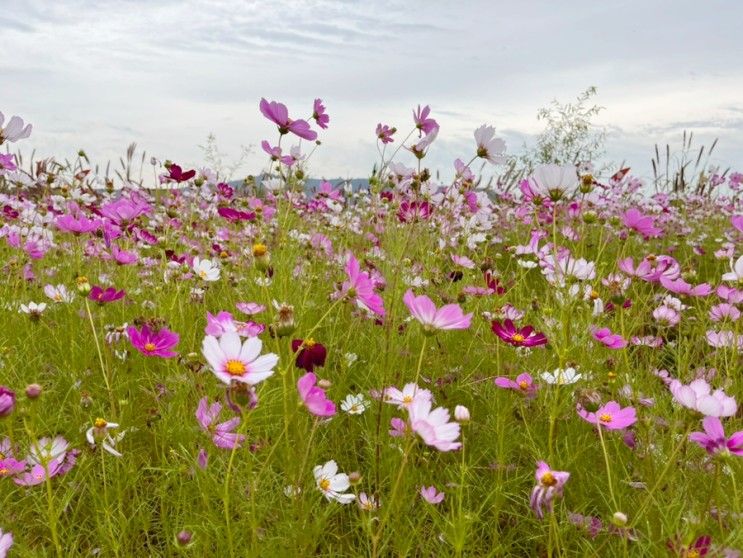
[{"x": 101, "y": 74}]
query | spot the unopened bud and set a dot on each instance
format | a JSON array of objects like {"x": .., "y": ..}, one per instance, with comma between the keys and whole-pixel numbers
[{"x": 33, "y": 391}]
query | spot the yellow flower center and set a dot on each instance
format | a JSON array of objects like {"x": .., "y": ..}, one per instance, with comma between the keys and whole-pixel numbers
[
  {"x": 223, "y": 254},
  {"x": 82, "y": 280},
  {"x": 309, "y": 343},
  {"x": 259, "y": 250},
  {"x": 235, "y": 367},
  {"x": 548, "y": 479},
  {"x": 202, "y": 274},
  {"x": 325, "y": 485},
  {"x": 149, "y": 347},
  {"x": 518, "y": 338},
  {"x": 606, "y": 418},
  {"x": 100, "y": 423},
  {"x": 594, "y": 295},
  {"x": 407, "y": 399},
  {"x": 612, "y": 375},
  {"x": 3, "y": 472},
  {"x": 693, "y": 554},
  {"x": 523, "y": 384},
  {"x": 57, "y": 297}
]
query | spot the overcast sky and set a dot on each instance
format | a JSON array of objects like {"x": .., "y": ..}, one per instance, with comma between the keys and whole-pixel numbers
[{"x": 101, "y": 74}]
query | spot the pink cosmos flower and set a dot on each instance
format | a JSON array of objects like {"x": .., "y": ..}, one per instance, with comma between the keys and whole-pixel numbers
[
  {"x": 124, "y": 210},
  {"x": 7, "y": 401},
  {"x": 318, "y": 114},
  {"x": 737, "y": 222},
  {"x": 411, "y": 211},
  {"x": 651, "y": 269},
  {"x": 611, "y": 416},
  {"x": 38, "y": 474},
  {"x": 607, "y": 338},
  {"x": 150, "y": 343},
  {"x": 724, "y": 311},
  {"x": 665, "y": 315},
  {"x": 725, "y": 338},
  {"x": 549, "y": 485},
  {"x": 713, "y": 438},
  {"x": 643, "y": 224},
  {"x": 434, "y": 426},
  {"x": 314, "y": 397},
  {"x": 279, "y": 115},
  {"x": 398, "y": 427},
  {"x": 431, "y": 495},
  {"x": 360, "y": 287},
  {"x": 223, "y": 322},
  {"x": 518, "y": 337},
  {"x": 222, "y": 434},
  {"x": 6, "y": 541},
  {"x": 273, "y": 152},
  {"x": 405, "y": 398},
  {"x": 77, "y": 225},
  {"x": 422, "y": 122},
  {"x": 7, "y": 163},
  {"x": 234, "y": 361},
  {"x": 234, "y": 215},
  {"x": 464, "y": 261},
  {"x": 385, "y": 133},
  {"x": 679, "y": 286},
  {"x": 698, "y": 396},
  {"x": 449, "y": 316},
  {"x": 524, "y": 383}
]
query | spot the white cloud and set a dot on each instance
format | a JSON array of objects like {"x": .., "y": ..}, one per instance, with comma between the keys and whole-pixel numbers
[{"x": 163, "y": 73}]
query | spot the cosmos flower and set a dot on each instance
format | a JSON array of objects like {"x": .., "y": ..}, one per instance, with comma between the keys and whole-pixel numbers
[
  {"x": 314, "y": 397},
  {"x": 7, "y": 401},
  {"x": 698, "y": 396},
  {"x": 518, "y": 337},
  {"x": 205, "y": 269},
  {"x": 643, "y": 224},
  {"x": 33, "y": 309},
  {"x": 151, "y": 343},
  {"x": 610, "y": 416},
  {"x": 233, "y": 361},
  {"x": 550, "y": 484},
  {"x": 333, "y": 484},
  {"x": 14, "y": 130},
  {"x": 561, "y": 377},
  {"x": 100, "y": 431},
  {"x": 309, "y": 353},
  {"x": 736, "y": 271},
  {"x": 449, "y": 316},
  {"x": 422, "y": 122},
  {"x": 434, "y": 426},
  {"x": 360, "y": 288},
  {"x": 102, "y": 296},
  {"x": 608, "y": 339},
  {"x": 405, "y": 398},
  {"x": 431, "y": 495},
  {"x": 553, "y": 181},
  {"x": 319, "y": 115},
  {"x": 279, "y": 115},
  {"x": 354, "y": 404},
  {"x": 58, "y": 293},
  {"x": 489, "y": 147},
  {"x": 6, "y": 541},
  {"x": 368, "y": 502},
  {"x": 713, "y": 438},
  {"x": 385, "y": 133},
  {"x": 223, "y": 434},
  {"x": 524, "y": 383}
]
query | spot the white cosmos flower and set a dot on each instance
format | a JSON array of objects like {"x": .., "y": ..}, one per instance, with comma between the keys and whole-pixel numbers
[
  {"x": 205, "y": 269},
  {"x": 354, "y": 404},
  {"x": 553, "y": 181},
  {"x": 33, "y": 309},
  {"x": 234, "y": 361},
  {"x": 562, "y": 377},
  {"x": 58, "y": 293},
  {"x": 100, "y": 431},
  {"x": 488, "y": 146},
  {"x": 333, "y": 484},
  {"x": 736, "y": 271}
]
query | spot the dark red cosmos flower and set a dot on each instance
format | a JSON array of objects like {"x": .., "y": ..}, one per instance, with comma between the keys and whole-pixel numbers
[
  {"x": 102, "y": 296},
  {"x": 309, "y": 353},
  {"x": 235, "y": 215},
  {"x": 518, "y": 337},
  {"x": 176, "y": 173},
  {"x": 493, "y": 283},
  {"x": 225, "y": 190},
  {"x": 698, "y": 548}
]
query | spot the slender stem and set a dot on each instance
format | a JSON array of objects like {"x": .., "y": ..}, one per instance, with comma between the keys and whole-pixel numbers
[
  {"x": 608, "y": 468},
  {"x": 100, "y": 357}
]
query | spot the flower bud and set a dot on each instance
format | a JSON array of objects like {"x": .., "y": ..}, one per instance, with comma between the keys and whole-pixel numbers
[
  {"x": 33, "y": 391},
  {"x": 184, "y": 538},
  {"x": 619, "y": 519},
  {"x": 83, "y": 285},
  {"x": 461, "y": 413},
  {"x": 354, "y": 477},
  {"x": 7, "y": 401}
]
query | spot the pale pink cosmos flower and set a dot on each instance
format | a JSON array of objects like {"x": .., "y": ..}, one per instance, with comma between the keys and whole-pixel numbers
[
  {"x": 724, "y": 339},
  {"x": 729, "y": 294},
  {"x": 223, "y": 434},
  {"x": 652, "y": 269},
  {"x": 610, "y": 416},
  {"x": 698, "y": 396},
  {"x": 713, "y": 438},
  {"x": 314, "y": 397},
  {"x": 385, "y": 133},
  {"x": 6, "y": 541},
  {"x": 553, "y": 181},
  {"x": 14, "y": 129},
  {"x": 610, "y": 340},
  {"x": 724, "y": 311},
  {"x": 665, "y": 315},
  {"x": 434, "y": 426},
  {"x": 250, "y": 308},
  {"x": 449, "y": 316},
  {"x": 549, "y": 485},
  {"x": 737, "y": 222},
  {"x": 234, "y": 361},
  {"x": 431, "y": 495},
  {"x": 489, "y": 147},
  {"x": 464, "y": 261},
  {"x": 404, "y": 398}
]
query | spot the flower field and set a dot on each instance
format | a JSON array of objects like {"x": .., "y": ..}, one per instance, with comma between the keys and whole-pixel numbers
[{"x": 547, "y": 366}]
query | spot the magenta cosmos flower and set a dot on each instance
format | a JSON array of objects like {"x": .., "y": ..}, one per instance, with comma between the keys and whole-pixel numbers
[
  {"x": 611, "y": 416},
  {"x": 643, "y": 224},
  {"x": 319, "y": 115},
  {"x": 309, "y": 353},
  {"x": 713, "y": 438},
  {"x": 279, "y": 115},
  {"x": 233, "y": 361},
  {"x": 433, "y": 426},
  {"x": 152, "y": 343},
  {"x": 698, "y": 396},
  {"x": 314, "y": 397},
  {"x": 7, "y": 401},
  {"x": 549, "y": 486},
  {"x": 679, "y": 286},
  {"x": 385, "y": 133},
  {"x": 360, "y": 287},
  {"x": 608, "y": 339},
  {"x": 77, "y": 226},
  {"x": 223, "y": 434},
  {"x": 449, "y": 316},
  {"x": 518, "y": 337},
  {"x": 422, "y": 122},
  {"x": 101, "y": 295}
]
